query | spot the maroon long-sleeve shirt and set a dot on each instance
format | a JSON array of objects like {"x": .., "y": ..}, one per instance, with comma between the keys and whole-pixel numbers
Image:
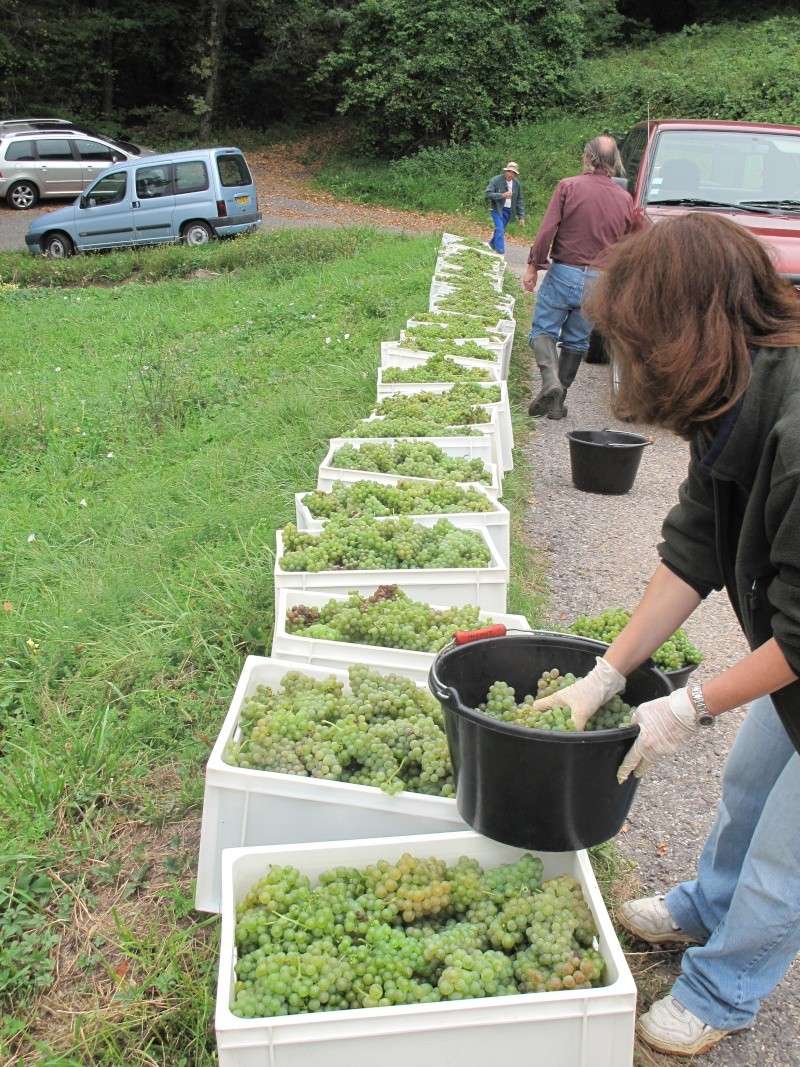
[{"x": 586, "y": 215}]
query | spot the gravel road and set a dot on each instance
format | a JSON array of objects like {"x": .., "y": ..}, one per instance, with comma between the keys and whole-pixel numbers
[{"x": 601, "y": 552}]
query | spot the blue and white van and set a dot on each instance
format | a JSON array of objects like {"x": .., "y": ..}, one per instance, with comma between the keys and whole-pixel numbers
[{"x": 182, "y": 196}]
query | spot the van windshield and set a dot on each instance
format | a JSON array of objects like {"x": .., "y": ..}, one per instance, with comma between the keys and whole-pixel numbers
[
  {"x": 233, "y": 170},
  {"x": 729, "y": 168}
]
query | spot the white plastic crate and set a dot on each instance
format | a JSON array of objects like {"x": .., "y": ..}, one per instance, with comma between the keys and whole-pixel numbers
[
  {"x": 393, "y": 355},
  {"x": 329, "y": 474},
  {"x": 385, "y": 389},
  {"x": 491, "y": 430},
  {"x": 502, "y": 408},
  {"x": 504, "y": 303},
  {"x": 442, "y": 282},
  {"x": 496, "y": 522},
  {"x": 486, "y": 587},
  {"x": 571, "y": 1028},
  {"x": 243, "y": 807},
  {"x": 331, "y": 654},
  {"x": 493, "y": 267},
  {"x": 505, "y": 328}
]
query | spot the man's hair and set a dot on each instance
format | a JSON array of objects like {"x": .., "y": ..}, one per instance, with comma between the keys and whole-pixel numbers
[
  {"x": 680, "y": 305},
  {"x": 602, "y": 155}
]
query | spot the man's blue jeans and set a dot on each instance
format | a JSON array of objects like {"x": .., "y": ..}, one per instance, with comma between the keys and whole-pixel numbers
[
  {"x": 558, "y": 306},
  {"x": 500, "y": 220},
  {"x": 745, "y": 901}
]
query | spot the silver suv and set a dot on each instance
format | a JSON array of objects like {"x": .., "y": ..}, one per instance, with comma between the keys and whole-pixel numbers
[{"x": 36, "y": 163}]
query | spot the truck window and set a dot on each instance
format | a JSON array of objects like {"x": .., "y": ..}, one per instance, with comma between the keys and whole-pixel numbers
[
  {"x": 632, "y": 151},
  {"x": 732, "y": 166},
  {"x": 191, "y": 177},
  {"x": 233, "y": 170}
]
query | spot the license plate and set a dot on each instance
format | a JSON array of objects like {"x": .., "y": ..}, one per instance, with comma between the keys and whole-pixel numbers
[{"x": 242, "y": 199}]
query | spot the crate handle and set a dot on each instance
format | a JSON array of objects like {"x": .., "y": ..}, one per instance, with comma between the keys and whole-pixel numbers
[{"x": 463, "y": 637}]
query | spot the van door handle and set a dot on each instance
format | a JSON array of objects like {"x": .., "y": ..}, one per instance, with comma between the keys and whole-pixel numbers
[{"x": 134, "y": 203}]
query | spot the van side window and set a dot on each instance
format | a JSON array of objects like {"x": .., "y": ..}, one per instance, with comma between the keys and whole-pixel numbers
[
  {"x": 233, "y": 170},
  {"x": 108, "y": 190},
  {"x": 153, "y": 181},
  {"x": 93, "y": 150},
  {"x": 20, "y": 150},
  {"x": 191, "y": 177}
]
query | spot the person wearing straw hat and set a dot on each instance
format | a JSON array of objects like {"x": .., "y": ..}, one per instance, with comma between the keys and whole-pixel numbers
[{"x": 506, "y": 202}]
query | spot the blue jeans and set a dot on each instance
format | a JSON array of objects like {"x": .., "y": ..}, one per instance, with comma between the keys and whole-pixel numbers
[
  {"x": 745, "y": 901},
  {"x": 558, "y": 306},
  {"x": 500, "y": 220}
]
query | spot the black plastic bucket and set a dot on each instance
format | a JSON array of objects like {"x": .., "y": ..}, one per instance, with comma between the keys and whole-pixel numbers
[
  {"x": 680, "y": 677},
  {"x": 605, "y": 461},
  {"x": 541, "y": 789}
]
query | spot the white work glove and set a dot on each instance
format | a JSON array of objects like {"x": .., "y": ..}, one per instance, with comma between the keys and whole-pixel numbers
[
  {"x": 664, "y": 725},
  {"x": 587, "y": 695}
]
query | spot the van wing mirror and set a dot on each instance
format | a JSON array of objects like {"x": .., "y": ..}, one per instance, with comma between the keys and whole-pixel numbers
[{"x": 83, "y": 202}]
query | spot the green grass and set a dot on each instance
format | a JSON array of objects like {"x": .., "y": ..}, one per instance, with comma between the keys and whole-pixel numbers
[
  {"x": 151, "y": 440},
  {"x": 727, "y": 70}
]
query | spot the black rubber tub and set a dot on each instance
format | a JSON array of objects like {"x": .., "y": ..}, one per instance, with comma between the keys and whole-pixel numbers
[
  {"x": 605, "y": 461},
  {"x": 680, "y": 677},
  {"x": 542, "y": 789}
]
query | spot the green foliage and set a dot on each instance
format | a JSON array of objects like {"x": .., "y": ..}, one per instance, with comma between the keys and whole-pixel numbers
[
  {"x": 278, "y": 255},
  {"x": 27, "y": 934},
  {"x": 415, "y": 73}
]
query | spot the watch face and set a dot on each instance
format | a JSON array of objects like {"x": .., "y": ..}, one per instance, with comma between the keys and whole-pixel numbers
[{"x": 705, "y": 719}]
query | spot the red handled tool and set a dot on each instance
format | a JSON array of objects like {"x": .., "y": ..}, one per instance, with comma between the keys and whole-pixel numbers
[{"x": 463, "y": 637}]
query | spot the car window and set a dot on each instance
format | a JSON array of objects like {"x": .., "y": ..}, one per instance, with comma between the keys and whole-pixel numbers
[
  {"x": 21, "y": 150},
  {"x": 54, "y": 148},
  {"x": 233, "y": 170},
  {"x": 108, "y": 190},
  {"x": 93, "y": 150},
  {"x": 154, "y": 181},
  {"x": 730, "y": 166},
  {"x": 632, "y": 151},
  {"x": 191, "y": 177}
]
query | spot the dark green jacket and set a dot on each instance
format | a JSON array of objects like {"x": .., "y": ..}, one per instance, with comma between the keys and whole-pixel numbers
[
  {"x": 737, "y": 523},
  {"x": 497, "y": 193}
]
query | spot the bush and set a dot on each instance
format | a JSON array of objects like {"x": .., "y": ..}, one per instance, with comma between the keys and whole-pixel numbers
[{"x": 415, "y": 73}]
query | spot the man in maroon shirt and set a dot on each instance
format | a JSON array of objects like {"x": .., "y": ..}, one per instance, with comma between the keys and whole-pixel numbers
[{"x": 586, "y": 215}]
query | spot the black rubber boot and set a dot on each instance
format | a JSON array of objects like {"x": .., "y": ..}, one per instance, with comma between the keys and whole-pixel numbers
[
  {"x": 551, "y": 394},
  {"x": 569, "y": 361}
]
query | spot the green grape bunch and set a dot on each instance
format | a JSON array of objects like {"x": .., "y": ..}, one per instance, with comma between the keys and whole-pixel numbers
[
  {"x": 676, "y": 652},
  {"x": 385, "y": 732},
  {"x": 406, "y": 426},
  {"x": 357, "y": 499},
  {"x": 411, "y": 930},
  {"x": 462, "y": 404},
  {"x": 414, "y": 459},
  {"x": 388, "y": 544},
  {"x": 387, "y": 618},
  {"x": 436, "y": 369},
  {"x": 501, "y": 703}
]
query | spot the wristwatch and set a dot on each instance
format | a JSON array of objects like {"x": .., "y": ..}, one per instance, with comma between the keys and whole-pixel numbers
[{"x": 703, "y": 716}]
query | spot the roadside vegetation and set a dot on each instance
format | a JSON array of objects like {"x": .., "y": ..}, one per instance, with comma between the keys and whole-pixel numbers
[
  {"x": 722, "y": 70},
  {"x": 152, "y": 437}
]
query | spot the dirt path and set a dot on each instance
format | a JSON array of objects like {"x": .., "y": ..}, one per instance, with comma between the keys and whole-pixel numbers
[{"x": 288, "y": 198}]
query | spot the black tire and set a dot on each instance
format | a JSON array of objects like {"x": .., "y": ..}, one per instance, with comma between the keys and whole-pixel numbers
[
  {"x": 597, "y": 351},
  {"x": 57, "y": 245},
  {"x": 196, "y": 233},
  {"x": 22, "y": 195}
]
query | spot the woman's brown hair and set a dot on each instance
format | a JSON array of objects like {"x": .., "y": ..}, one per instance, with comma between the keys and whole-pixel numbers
[{"x": 679, "y": 307}]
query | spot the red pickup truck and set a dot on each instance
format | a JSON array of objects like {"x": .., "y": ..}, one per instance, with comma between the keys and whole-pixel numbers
[{"x": 749, "y": 171}]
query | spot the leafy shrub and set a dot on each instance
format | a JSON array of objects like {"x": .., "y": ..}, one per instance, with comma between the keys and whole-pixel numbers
[{"x": 415, "y": 73}]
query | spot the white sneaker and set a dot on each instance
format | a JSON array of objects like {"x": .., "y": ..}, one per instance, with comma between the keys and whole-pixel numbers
[
  {"x": 669, "y": 1027},
  {"x": 650, "y": 920}
]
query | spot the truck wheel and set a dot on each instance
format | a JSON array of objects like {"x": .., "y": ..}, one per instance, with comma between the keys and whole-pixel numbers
[
  {"x": 22, "y": 195},
  {"x": 196, "y": 233},
  {"x": 57, "y": 246}
]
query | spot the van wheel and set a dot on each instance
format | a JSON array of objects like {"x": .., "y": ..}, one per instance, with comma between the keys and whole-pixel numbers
[
  {"x": 22, "y": 195},
  {"x": 58, "y": 246},
  {"x": 196, "y": 233}
]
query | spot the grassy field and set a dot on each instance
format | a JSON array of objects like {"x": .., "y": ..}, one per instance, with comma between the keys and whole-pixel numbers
[
  {"x": 726, "y": 70},
  {"x": 151, "y": 440}
]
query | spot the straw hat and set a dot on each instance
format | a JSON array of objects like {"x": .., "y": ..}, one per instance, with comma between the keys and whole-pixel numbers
[{"x": 512, "y": 166}]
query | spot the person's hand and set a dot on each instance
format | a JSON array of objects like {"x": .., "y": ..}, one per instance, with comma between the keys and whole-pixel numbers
[
  {"x": 664, "y": 725},
  {"x": 529, "y": 278},
  {"x": 587, "y": 695}
]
